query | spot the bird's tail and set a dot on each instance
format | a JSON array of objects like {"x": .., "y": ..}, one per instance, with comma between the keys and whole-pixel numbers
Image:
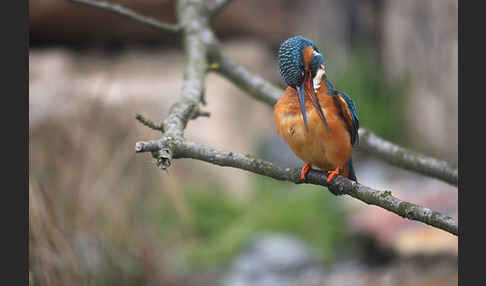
[{"x": 349, "y": 170}]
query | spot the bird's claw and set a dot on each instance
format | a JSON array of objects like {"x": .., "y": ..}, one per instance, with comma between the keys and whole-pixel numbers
[
  {"x": 332, "y": 173},
  {"x": 304, "y": 171}
]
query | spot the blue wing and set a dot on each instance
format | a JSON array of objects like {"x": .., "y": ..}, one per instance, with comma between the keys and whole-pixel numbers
[{"x": 349, "y": 110}]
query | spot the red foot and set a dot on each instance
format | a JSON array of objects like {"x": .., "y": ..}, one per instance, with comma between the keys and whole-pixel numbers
[
  {"x": 332, "y": 173},
  {"x": 305, "y": 169}
]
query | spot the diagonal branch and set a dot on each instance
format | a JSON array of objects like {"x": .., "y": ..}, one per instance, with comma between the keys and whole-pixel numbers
[
  {"x": 407, "y": 159},
  {"x": 251, "y": 83},
  {"x": 168, "y": 149},
  {"x": 128, "y": 13},
  {"x": 396, "y": 155}
]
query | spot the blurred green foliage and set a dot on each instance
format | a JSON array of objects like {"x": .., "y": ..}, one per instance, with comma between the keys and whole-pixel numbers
[
  {"x": 380, "y": 102},
  {"x": 221, "y": 225}
]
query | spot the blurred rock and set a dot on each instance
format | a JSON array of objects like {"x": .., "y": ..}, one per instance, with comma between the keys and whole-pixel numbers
[
  {"x": 274, "y": 260},
  {"x": 278, "y": 259},
  {"x": 416, "y": 271}
]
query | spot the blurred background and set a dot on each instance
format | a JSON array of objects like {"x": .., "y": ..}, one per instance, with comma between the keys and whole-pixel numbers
[{"x": 102, "y": 215}]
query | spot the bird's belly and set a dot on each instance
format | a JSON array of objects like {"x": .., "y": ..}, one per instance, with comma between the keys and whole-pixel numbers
[{"x": 316, "y": 147}]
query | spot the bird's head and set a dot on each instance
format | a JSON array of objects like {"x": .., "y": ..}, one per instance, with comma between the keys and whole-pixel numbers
[{"x": 299, "y": 61}]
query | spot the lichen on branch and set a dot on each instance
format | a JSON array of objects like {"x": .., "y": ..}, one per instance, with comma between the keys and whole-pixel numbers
[{"x": 167, "y": 150}]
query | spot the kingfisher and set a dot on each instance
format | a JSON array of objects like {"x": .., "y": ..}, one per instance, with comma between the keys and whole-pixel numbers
[{"x": 318, "y": 122}]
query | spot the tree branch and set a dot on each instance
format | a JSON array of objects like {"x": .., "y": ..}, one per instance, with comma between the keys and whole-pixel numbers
[
  {"x": 149, "y": 123},
  {"x": 252, "y": 84},
  {"x": 128, "y": 13},
  {"x": 201, "y": 47},
  {"x": 164, "y": 151},
  {"x": 407, "y": 159},
  {"x": 196, "y": 38}
]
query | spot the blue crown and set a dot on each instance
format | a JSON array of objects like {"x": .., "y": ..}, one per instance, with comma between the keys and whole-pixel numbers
[{"x": 290, "y": 59}]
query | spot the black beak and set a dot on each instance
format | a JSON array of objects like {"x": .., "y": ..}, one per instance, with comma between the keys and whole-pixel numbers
[
  {"x": 314, "y": 101},
  {"x": 301, "y": 95},
  {"x": 317, "y": 105}
]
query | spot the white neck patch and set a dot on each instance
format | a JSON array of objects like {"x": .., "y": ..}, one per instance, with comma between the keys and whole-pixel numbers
[{"x": 317, "y": 78}]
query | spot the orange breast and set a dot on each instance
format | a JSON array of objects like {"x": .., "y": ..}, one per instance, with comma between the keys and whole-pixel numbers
[{"x": 317, "y": 147}]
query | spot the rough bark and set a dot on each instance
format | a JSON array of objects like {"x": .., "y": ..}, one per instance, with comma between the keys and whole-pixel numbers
[{"x": 169, "y": 149}]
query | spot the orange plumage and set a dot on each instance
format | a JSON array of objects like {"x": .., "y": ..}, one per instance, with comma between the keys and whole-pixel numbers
[{"x": 322, "y": 150}]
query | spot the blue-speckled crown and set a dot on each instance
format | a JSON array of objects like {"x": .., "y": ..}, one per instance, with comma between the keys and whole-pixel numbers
[{"x": 290, "y": 59}]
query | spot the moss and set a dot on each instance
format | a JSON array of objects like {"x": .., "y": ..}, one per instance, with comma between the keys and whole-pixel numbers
[
  {"x": 267, "y": 168},
  {"x": 405, "y": 209},
  {"x": 249, "y": 156},
  {"x": 368, "y": 196},
  {"x": 385, "y": 194}
]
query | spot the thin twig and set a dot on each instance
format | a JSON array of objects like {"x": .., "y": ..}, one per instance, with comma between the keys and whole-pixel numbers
[
  {"x": 126, "y": 12},
  {"x": 149, "y": 123},
  {"x": 201, "y": 113},
  {"x": 180, "y": 148}
]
